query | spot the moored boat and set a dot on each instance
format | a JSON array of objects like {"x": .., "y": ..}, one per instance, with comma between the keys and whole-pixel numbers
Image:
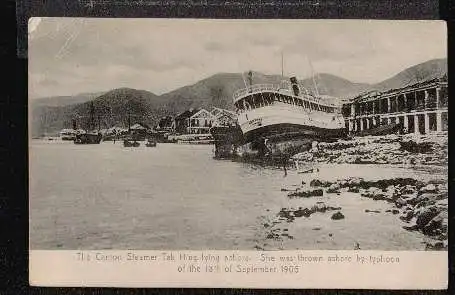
[
  {"x": 88, "y": 138},
  {"x": 68, "y": 134},
  {"x": 130, "y": 143},
  {"x": 150, "y": 143}
]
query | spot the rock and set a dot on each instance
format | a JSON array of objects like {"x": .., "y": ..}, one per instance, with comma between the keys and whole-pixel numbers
[
  {"x": 333, "y": 188},
  {"x": 372, "y": 211},
  {"x": 303, "y": 212},
  {"x": 337, "y": 216},
  {"x": 355, "y": 181},
  {"x": 425, "y": 216},
  {"x": 353, "y": 189},
  {"x": 411, "y": 228},
  {"x": 372, "y": 192},
  {"x": 436, "y": 245},
  {"x": 416, "y": 199},
  {"x": 441, "y": 196},
  {"x": 308, "y": 193},
  {"x": 442, "y": 203},
  {"x": 437, "y": 225},
  {"x": 409, "y": 196},
  {"x": 286, "y": 214},
  {"x": 319, "y": 207},
  {"x": 395, "y": 211},
  {"x": 400, "y": 202},
  {"x": 408, "y": 189},
  {"x": 287, "y": 190},
  {"x": 317, "y": 182},
  {"x": 407, "y": 216},
  {"x": 391, "y": 193},
  {"x": 429, "y": 188}
]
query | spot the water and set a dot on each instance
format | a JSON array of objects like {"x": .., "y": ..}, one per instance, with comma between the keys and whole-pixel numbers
[{"x": 178, "y": 197}]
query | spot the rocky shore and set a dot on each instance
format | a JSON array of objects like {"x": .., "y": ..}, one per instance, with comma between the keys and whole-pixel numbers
[
  {"x": 417, "y": 204},
  {"x": 407, "y": 149},
  {"x": 421, "y": 206}
]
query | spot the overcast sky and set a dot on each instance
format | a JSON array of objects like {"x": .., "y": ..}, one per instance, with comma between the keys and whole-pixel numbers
[{"x": 75, "y": 55}]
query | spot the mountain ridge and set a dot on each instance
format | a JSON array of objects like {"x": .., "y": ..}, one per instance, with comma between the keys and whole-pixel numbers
[{"x": 216, "y": 90}]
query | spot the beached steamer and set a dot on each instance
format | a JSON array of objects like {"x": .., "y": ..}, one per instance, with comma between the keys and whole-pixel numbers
[{"x": 286, "y": 111}]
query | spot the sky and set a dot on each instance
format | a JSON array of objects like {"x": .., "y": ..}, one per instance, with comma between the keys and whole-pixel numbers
[{"x": 68, "y": 56}]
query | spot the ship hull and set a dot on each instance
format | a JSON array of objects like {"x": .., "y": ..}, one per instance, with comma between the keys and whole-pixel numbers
[
  {"x": 280, "y": 122},
  {"x": 227, "y": 139},
  {"x": 88, "y": 138},
  {"x": 288, "y": 131}
]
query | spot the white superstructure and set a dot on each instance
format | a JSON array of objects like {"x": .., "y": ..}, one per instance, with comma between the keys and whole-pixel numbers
[{"x": 268, "y": 110}]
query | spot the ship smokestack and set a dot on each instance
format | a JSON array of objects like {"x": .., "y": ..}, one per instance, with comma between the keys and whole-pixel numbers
[{"x": 295, "y": 86}]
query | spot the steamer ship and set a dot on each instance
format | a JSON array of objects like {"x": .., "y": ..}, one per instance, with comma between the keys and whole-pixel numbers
[{"x": 286, "y": 111}]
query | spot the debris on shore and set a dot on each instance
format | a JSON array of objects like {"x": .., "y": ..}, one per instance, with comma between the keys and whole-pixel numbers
[{"x": 390, "y": 149}]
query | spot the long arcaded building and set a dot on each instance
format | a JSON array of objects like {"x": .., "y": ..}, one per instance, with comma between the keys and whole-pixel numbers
[{"x": 419, "y": 108}]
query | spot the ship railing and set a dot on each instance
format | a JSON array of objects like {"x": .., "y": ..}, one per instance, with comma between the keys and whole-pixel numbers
[
  {"x": 272, "y": 87},
  {"x": 254, "y": 88}
]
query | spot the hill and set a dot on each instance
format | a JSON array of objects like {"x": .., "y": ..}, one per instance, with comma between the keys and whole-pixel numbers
[
  {"x": 57, "y": 101},
  {"x": 218, "y": 89},
  {"x": 428, "y": 70},
  {"x": 114, "y": 107}
]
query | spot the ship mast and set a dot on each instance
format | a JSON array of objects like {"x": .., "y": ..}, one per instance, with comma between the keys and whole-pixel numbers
[
  {"x": 282, "y": 65},
  {"x": 129, "y": 122},
  {"x": 92, "y": 114},
  {"x": 244, "y": 82},
  {"x": 312, "y": 76}
]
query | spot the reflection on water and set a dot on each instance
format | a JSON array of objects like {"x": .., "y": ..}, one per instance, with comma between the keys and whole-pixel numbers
[{"x": 177, "y": 197}]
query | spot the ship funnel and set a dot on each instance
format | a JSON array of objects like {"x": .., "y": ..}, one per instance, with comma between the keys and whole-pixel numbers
[{"x": 295, "y": 86}]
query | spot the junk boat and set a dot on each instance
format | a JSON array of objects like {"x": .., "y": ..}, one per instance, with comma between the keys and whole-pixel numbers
[
  {"x": 286, "y": 111},
  {"x": 89, "y": 137},
  {"x": 68, "y": 134},
  {"x": 130, "y": 143}
]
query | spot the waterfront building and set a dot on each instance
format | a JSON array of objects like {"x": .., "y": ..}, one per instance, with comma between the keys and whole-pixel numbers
[
  {"x": 201, "y": 122},
  {"x": 223, "y": 117},
  {"x": 166, "y": 124},
  {"x": 193, "y": 121},
  {"x": 182, "y": 121},
  {"x": 420, "y": 108}
]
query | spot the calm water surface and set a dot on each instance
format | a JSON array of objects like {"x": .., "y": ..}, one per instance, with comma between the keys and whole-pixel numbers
[{"x": 178, "y": 197}]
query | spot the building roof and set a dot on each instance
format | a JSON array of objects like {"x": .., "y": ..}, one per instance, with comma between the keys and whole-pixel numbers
[
  {"x": 222, "y": 112},
  {"x": 140, "y": 126},
  {"x": 186, "y": 114},
  {"x": 202, "y": 113},
  {"x": 373, "y": 94}
]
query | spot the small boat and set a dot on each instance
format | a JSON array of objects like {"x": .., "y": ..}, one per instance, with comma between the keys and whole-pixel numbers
[
  {"x": 88, "y": 138},
  {"x": 130, "y": 143},
  {"x": 68, "y": 134},
  {"x": 150, "y": 143}
]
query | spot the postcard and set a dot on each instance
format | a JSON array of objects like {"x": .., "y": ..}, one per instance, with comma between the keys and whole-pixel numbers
[{"x": 238, "y": 153}]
